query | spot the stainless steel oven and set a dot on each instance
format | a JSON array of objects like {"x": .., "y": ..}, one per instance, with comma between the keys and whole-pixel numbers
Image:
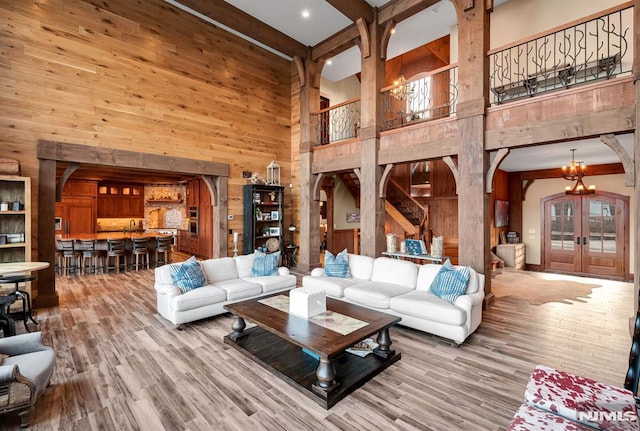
[{"x": 193, "y": 220}]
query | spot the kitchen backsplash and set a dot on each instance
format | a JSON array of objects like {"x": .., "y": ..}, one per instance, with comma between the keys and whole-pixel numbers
[
  {"x": 119, "y": 224},
  {"x": 165, "y": 214},
  {"x": 164, "y": 207}
]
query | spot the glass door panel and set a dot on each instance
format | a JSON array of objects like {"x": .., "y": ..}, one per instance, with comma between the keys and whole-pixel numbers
[
  {"x": 602, "y": 226},
  {"x": 562, "y": 225}
]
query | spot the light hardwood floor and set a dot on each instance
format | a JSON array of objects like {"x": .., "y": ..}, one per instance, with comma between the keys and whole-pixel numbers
[{"x": 120, "y": 366}]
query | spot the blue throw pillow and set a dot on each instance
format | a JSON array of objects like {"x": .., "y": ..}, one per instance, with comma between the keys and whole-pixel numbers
[
  {"x": 338, "y": 265},
  {"x": 265, "y": 264},
  {"x": 450, "y": 282},
  {"x": 188, "y": 275}
]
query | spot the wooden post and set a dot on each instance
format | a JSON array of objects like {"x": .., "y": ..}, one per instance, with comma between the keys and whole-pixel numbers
[
  {"x": 309, "y": 251},
  {"x": 473, "y": 160},
  {"x": 371, "y": 205},
  {"x": 46, "y": 284},
  {"x": 220, "y": 224}
]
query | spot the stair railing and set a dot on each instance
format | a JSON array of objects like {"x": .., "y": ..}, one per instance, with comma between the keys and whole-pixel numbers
[{"x": 411, "y": 209}]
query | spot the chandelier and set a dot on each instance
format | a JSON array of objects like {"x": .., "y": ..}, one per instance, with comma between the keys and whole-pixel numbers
[
  {"x": 574, "y": 172},
  {"x": 402, "y": 90}
]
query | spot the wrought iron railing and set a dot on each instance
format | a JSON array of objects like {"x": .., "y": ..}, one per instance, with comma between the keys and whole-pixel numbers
[
  {"x": 427, "y": 96},
  {"x": 582, "y": 52},
  {"x": 338, "y": 122}
]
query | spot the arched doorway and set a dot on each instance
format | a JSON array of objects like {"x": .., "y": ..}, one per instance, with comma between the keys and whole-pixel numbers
[{"x": 586, "y": 234}]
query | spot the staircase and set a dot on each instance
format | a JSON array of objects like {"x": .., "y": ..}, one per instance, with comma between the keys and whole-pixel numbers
[{"x": 410, "y": 214}]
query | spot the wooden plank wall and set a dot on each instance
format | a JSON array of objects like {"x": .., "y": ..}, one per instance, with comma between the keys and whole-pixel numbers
[{"x": 140, "y": 76}]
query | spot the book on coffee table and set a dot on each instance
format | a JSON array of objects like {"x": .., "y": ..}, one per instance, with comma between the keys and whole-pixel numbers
[{"x": 363, "y": 348}]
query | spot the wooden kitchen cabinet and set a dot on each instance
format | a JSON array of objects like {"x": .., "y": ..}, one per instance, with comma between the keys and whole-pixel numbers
[
  {"x": 188, "y": 243},
  {"x": 77, "y": 215},
  {"x": 120, "y": 200},
  {"x": 205, "y": 225},
  {"x": 77, "y": 212},
  {"x": 200, "y": 241},
  {"x": 193, "y": 192}
]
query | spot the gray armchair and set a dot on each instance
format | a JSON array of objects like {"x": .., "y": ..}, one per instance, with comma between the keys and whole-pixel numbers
[{"x": 24, "y": 373}]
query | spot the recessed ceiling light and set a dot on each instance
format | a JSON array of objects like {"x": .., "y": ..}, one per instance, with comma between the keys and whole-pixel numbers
[
  {"x": 306, "y": 14},
  {"x": 393, "y": 30},
  {"x": 329, "y": 62}
]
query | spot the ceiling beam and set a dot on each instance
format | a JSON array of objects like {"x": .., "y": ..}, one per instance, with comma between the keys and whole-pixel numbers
[
  {"x": 354, "y": 9},
  {"x": 240, "y": 21},
  {"x": 334, "y": 45},
  {"x": 399, "y": 10},
  {"x": 396, "y": 11}
]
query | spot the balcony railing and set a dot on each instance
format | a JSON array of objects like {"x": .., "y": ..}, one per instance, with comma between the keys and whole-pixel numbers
[
  {"x": 580, "y": 52},
  {"x": 338, "y": 122},
  {"x": 427, "y": 96}
]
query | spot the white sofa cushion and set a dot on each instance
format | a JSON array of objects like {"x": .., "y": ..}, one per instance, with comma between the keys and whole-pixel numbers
[
  {"x": 332, "y": 286},
  {"x": 360, "y": 267},
  {"x": 374, "y": 294},
  {"x": 220, "y": 269},
  {"x": 200, "y": 297},
  {"x": 395, "y": 271},
  {"x": 244, "y": 263},
  {"x": 239, "y": 289},
  {"x": 163, "y": 275},
  {"x": 425, "y": 305},
  {"x": 426, "y": 274},
  {"x": 273, "y": 282},
  {"x": 473, "y": 285}
]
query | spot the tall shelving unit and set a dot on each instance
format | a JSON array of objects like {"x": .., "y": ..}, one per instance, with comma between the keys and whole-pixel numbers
[
  {"x": 15, "y": 221},
  {"x": 263, "y": 207}
]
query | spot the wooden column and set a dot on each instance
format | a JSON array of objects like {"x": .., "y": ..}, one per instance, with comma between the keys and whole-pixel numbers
[
  {"x": 473, "y": 160},
  {"x": 220, "y": 223},
  {"x": 46, "y": 295},
  {"x": 372, "y": 213},
  {"x": 309, "y": 252}
]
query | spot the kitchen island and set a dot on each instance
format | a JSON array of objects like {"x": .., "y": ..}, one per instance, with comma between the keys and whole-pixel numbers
[
  {"x": 104, "y": 236},
  {"x": 72, "y": 247}
]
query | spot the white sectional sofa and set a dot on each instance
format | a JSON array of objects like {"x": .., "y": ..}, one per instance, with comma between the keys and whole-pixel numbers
[
  {"x": 228, "y": 280},
  {"x": 402, "y": 288}
]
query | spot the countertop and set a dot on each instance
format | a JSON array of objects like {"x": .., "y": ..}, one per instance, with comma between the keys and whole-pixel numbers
[{"x": 103, "y": 236}]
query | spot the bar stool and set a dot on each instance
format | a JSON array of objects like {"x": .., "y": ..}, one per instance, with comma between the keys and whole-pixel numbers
[
  {"x": 90, "y": 255},
  {"x": 70, "y": 256},
  {"x": 59, "y": 260},
  {"x": 26, "y": 313},
  {"x": 116, "y": 250},
  {"x": 140, "y": 249},
  {"x": 163, "y": 246}
]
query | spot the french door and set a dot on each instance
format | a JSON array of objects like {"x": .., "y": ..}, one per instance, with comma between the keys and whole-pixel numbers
[{"x": 586, "y": 234}]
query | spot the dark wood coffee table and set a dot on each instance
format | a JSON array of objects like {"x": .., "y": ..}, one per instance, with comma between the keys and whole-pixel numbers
[{"x": 278, "y": 340}]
